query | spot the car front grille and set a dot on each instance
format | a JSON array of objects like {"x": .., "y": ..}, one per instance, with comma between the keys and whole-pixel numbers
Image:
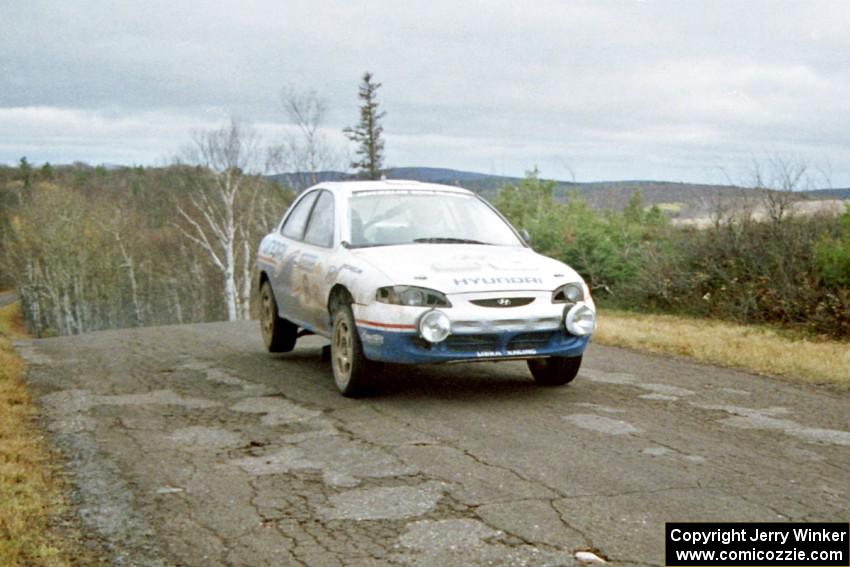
[
  {"x": 530, "y": 341},
  {"x": 503, "y": 302},
  {"x": 466, "y": 343},
  {"x": 490, "y": 342}
]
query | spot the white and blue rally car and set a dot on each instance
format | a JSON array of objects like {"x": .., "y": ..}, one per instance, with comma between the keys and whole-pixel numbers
[{"x": 413, "y": 273}]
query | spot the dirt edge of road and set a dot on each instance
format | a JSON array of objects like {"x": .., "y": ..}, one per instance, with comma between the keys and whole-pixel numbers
[{"x": 37, "y": 524}]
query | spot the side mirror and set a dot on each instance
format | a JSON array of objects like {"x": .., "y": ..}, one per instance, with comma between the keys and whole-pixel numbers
[{"x": 525, "y": 236}]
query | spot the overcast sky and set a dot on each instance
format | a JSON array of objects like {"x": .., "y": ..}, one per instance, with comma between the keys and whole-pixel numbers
[{"x": 676, "y": 90}]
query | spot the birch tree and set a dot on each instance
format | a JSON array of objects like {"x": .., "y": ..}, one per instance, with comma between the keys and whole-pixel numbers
[
  {"x": 129, "y": 263},
  {"x": 226, "y": 191}
]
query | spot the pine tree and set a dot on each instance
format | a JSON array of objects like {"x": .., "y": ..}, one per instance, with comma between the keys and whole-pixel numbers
[
  {"x": 367, "y": 133},
  {"x": 26, "y": 172},
  {"x": 47, "y": 171}
]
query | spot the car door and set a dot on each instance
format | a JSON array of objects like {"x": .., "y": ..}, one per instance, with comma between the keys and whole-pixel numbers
[
  {"x": 285, "y": 280},
  {"x": 318, "y": 246}
]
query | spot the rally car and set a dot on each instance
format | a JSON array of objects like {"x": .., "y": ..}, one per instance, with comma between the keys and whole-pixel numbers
[{"x": 413, "y": 273}]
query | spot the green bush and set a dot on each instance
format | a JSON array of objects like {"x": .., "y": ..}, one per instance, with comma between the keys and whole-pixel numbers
[
  {"x": 832, "y": 255},
  {"x": 606, "y": 248}
]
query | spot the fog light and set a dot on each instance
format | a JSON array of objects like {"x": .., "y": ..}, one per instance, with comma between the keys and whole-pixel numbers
[
  {"x": 434, "y": 326},
  {"x": 580, "y": 320}
]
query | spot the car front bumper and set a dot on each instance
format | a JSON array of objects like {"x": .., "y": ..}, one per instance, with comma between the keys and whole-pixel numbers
[
  {"x": 520, "y": 334},
  {"x": 409, "y": 348},
  {"x": 389, "y": 333}
]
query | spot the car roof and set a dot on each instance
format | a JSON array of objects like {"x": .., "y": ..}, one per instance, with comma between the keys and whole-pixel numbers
[{"x": 347, "y": 188}]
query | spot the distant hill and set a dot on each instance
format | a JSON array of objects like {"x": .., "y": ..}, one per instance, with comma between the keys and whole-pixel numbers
[
  {"x": 681, "y": 200},
  {"x": 829, "y": 193},
  {"x": 469, "y": 179},
  {"x": 301, "y": 180}
]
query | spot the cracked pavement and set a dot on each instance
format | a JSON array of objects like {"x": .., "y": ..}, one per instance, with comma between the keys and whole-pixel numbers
[{"x": 189, "y": 445}]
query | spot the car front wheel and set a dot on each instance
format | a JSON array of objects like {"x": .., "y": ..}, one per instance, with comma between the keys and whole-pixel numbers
[
  {"x": 555, "y": 370},
  {"x": 279, "y": 335},
  {"x": 352, "y": 370}
]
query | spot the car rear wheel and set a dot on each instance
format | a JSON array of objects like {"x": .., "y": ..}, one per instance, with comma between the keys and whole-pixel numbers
[
  {"x": 555, "y": 370},
  {"x": 352, "y": 370},
  {"x": 279, "y": 335}
]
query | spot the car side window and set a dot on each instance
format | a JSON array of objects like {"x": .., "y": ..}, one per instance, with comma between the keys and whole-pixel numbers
[
  {"x": 320, "y": 229},
  {"x": 297, "y": 219}
]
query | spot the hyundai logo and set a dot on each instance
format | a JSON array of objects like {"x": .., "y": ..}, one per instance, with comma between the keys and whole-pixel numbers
[{"x": 503, "y": 301}]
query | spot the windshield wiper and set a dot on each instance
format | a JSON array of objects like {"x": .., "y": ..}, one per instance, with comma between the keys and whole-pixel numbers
[{"x": 449, "y": 240}]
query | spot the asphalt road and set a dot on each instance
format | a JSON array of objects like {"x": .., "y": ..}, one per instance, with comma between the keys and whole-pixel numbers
[{"x": 190, "y": 445}]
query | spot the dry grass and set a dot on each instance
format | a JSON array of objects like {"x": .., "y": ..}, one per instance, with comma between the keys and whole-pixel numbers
[
  {"x": 30, "y": 493},
  {"x": 758, "y": 349}
]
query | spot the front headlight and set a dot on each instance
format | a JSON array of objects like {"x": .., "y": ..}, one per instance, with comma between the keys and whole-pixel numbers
[
  {"x": 412, "y": 296},
  {"x": 580, "y": 320},
  {"x": 569, "y": 293}
]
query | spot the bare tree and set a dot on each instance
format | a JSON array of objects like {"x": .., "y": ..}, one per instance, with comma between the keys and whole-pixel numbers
[
  {"x": 776, "y": 183},
  {"x": 227, "y": 156},
  {"x": 306, "y": 151},
  {"x": 129, "y": 264}
]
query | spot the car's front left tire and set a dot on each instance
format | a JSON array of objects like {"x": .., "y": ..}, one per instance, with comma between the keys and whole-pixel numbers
[
  {"x": 279, "y": 335},
  {"x": 352, "y": 371},
  {"x": 555, "y": 370}
]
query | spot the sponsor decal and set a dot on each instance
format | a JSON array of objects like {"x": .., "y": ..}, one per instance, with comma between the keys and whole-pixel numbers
[
  {"x": 373, "y": 339},
  {"x": 286, "y": 268},
  {"x": 499, "y": 280},
  {"x": 307, "y": 262},
  {"x": 492, "y": 353},
  {"x": 271, "y": 251},
  {"x": 273, "y": 248}
]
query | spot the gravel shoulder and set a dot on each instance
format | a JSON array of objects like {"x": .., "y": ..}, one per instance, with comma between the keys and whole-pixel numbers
[{"x": 190, "y": 445}]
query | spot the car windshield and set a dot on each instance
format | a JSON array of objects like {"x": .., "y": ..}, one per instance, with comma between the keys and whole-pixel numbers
[{"x": 406, "y": 217}]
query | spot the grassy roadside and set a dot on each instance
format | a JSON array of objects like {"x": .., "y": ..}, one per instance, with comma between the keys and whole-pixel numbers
[
  {"x": 759, "y": 349},
  {"x": 30, "y": 492}
]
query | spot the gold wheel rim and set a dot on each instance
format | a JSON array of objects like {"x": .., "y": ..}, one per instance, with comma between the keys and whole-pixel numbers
[
  {"x": 268, "y": 314},
  {"x": 342, "y": 353}
]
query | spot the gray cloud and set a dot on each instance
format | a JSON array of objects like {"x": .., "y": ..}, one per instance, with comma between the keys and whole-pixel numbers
[{"x": 665, "y": 90}]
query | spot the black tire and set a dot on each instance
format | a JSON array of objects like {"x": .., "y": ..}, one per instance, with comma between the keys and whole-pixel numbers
[
  {"x": 279, "y": 335},
  {"x": 555, "y": 370},
  {"x": 352, "y": 371}
]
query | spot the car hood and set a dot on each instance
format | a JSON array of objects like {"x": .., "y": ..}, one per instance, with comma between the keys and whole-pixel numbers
[{"x": 461, "y": 268}]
